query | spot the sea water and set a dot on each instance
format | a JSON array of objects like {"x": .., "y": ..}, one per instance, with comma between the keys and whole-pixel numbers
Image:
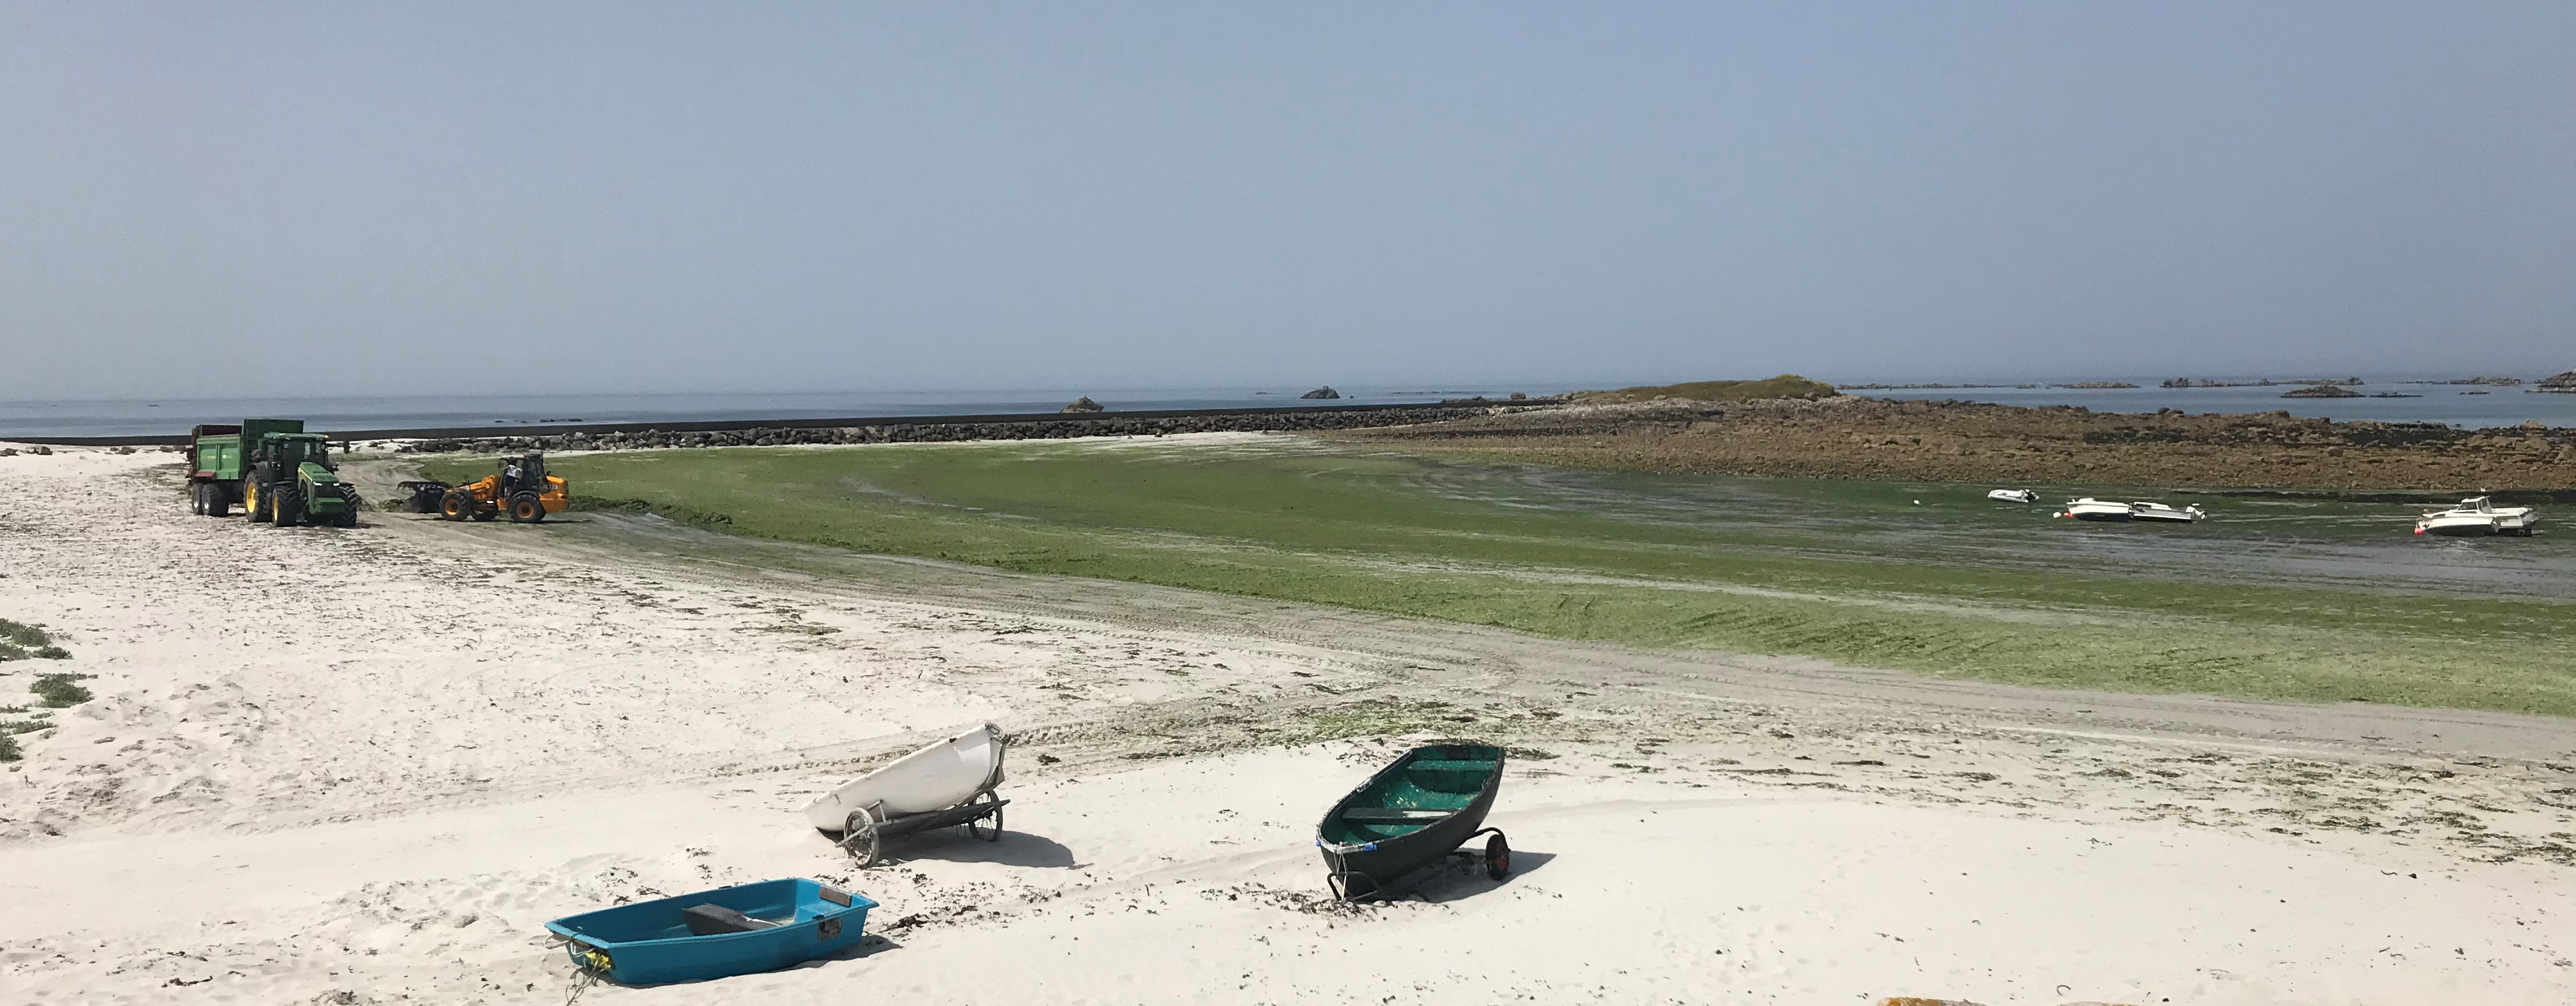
[
  {"x": 167, "y": 416},
  {"x": 2448, "y": 404}
]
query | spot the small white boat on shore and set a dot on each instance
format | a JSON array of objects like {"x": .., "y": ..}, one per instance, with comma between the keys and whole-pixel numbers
[
  {"x": 2013, "y": 495},
  {"x": 937, "y": 777},
  {"x": 2089, "y": 508},
  {"x": 2166, "y": 514},
  {"x": 2478, "y": 516}
]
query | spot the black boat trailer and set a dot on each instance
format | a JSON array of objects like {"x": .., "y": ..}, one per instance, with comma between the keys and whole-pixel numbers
[
  {"x": 1495, "y": 859},
  {"x": 864, "y": 835}
]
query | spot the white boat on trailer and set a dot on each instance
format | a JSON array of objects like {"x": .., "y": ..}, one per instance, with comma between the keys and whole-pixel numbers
[
  {"x": 937, "y": 777},
  {"x": 2478, "y": 516},
  {"x": 2013, "y": 495},
  {"x": 2089, "y": 508}
]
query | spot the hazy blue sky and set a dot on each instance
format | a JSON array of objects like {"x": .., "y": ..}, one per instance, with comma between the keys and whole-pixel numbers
[{"x": 359, "y": 198}]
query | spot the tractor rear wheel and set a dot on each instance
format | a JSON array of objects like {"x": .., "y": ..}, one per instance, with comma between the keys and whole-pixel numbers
[
  {"x": 258, "y": 501},
  {"x": 525, "y": 508},
  {"x": 456, "y": 505},
  {"x": 288, "y": 506}
]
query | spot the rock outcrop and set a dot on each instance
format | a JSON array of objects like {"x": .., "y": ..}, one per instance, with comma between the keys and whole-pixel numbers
[
  {"x": 2322, "y": 391},
  {"x": 1082, "y": 404},
  {"x": 1323, "y": 392},
  {"x": 2561, "y": 383}
]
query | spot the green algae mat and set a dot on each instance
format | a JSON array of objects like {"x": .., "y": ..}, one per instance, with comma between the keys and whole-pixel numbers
[{"x": 2270, "y": 598}]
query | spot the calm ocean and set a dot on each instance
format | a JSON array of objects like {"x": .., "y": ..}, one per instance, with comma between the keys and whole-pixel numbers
[
  {"x": 2438, "y": 403},
  {"x": 176, "y": 415}
]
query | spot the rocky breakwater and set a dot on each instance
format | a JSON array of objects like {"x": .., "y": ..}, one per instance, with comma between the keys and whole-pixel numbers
[
  {"x": 1948, "y": 441},
  {"x": 1067, "y": 426}
]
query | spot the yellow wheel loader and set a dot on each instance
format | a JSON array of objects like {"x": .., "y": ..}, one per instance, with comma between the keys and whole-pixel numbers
[{"x": 520, "y": 489}]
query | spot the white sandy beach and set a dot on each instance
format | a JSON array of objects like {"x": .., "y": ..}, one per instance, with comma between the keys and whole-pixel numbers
[{"x": 366, "y": 766}]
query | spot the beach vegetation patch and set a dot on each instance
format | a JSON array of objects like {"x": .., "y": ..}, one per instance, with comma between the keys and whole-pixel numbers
[
  {"x": 60, "y": 691},
  {"x": 2324, "y": 600}
]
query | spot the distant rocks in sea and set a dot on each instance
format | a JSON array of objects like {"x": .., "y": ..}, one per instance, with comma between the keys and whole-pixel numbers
[
  {"x": 2322, "y": 391},
  {"x": 1083, "y": 404},
  {"x": 2562, "y": 383},
  {"x": 1323, "y": 392},
  {"x": 1068, "y": 426},
  {"x": 2095, "y": 384}
]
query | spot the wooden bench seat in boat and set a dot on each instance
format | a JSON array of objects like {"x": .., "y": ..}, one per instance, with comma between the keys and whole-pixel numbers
[{"x": 1393, "y": 815}]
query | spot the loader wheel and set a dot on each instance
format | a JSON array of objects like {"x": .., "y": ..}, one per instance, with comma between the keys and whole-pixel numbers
[
  {"x": 456, "y": 505},
  {"x": 287, "y": 506},
  {"x": 525, "y": 509}
]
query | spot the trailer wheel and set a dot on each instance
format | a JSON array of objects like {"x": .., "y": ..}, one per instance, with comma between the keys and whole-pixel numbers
[
  {"x": 526, "y": 509},
  {"x": 197, "y": 498},
  {"x": 860, "y": 839},
  {"x": 976, "y": 826},
  {"x": 219, "y": 501}
]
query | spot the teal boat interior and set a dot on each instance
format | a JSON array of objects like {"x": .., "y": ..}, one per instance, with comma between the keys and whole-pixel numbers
[{"x": 1433, "y": 785}]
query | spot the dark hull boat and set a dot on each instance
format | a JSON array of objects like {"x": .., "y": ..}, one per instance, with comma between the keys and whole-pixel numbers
[{"x": 1392, "y": 831}]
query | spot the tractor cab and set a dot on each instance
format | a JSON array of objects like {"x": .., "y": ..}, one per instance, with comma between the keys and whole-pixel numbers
[{"x": 286, "y": 452}]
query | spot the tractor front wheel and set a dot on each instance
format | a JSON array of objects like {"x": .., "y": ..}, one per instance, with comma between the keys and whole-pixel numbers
[
  {"x": 456, "y": 505},
  {"x": 525, "y": 508}
]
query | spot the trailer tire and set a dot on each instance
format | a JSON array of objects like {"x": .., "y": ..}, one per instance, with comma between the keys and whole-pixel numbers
[
  {"x": 197, "y": 498},
  {"x": 219, "y": 501}
]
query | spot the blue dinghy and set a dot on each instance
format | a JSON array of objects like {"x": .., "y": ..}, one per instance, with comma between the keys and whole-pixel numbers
[{"x": 714, "y": 934}]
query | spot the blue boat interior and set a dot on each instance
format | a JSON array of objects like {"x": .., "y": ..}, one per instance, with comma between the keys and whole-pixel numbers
[
  {"x": 1433, "y": 784},
  {"x": 777, "y": 902}
]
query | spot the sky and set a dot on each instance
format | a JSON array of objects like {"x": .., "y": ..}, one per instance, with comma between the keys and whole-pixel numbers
[{"x": 245, "y": 199}]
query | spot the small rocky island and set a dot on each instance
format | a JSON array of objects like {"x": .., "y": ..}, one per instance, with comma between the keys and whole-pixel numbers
[
  {"x": 1323, "y": 392},
  {"x": 1082, "y": 404},
  {"x": 2322, "y": 391},
  {"x": 2564, "y": 383}
]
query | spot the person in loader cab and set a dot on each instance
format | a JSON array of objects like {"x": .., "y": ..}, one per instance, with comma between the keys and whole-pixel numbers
[{"x": 509, "y": 479}]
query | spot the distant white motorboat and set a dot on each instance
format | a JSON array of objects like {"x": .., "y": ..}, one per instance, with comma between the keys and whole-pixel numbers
[
  {"x": 2089, "y": 508},
  {"x": 937, "y": 777},
  {"x": 2478, "y": 516},
  {"x": 2161, "y": 512},
  {"x": 2013, "y": 495}
]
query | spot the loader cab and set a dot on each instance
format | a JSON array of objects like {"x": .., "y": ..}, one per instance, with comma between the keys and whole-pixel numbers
[{"x": 532, "y": 473}]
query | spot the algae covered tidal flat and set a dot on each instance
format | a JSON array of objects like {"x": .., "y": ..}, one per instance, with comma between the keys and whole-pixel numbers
[{"x": 2287, "y": 599}]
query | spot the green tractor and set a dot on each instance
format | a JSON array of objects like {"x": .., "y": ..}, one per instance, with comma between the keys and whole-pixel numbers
[{"x": 276, "y": 471}]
